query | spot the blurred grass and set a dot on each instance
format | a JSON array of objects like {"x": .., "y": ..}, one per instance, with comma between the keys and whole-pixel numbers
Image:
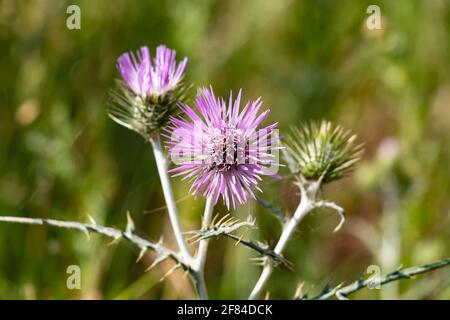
[{"x": 61, "y": 157}]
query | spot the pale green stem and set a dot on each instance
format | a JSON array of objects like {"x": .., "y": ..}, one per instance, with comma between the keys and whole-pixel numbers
[
  {"x": 199, "y": 264},
  {"x": 305, "y": 206},
  {"x": 161, "y": 163}
]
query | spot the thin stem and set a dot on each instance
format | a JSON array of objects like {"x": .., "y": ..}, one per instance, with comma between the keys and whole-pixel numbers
[
  {"x": 198, "y": 265},
  {"x": 406, "y": 273},
  {"x": 261, "y": 249},
  {"x": 113, "y": 233},
  {"x": 203, "y": 246},
  {"x": 130, "y": 236},
  {"x": 303, "y": 209},
  {"x": 161, "y": 163},
  {"x": 199, "y": 282}
]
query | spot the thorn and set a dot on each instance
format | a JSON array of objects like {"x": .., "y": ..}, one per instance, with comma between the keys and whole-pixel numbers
[
  {"x": 130, "y": 224},
  {"x": 267, "y": 296},
  {"x": 340, "y": 296},
  {"x": 86, "y": 232},
  {"x": 141, "y": 254},
  {"x": 257, "y": 258},
  {"x": 298, "y": 292},
  {"x": 223, "y": 218},
  {"x": 114, "y": 241},
  {"x": 240, "y": 238},
  {"x": 214, "y": 220},
  {"x": 91, "y": 220},
  {"x": 156, "y": 262},
  {"x": 341, "y": 222},
  {"x": 171, "y": 270},
  {"x": 192, "y": 239},
  {"x": 288, "y": 264},
  {"x": 196, "y": 238},
  {"x": 259, "y": 261},
  {"x": 230, "y": 221}
]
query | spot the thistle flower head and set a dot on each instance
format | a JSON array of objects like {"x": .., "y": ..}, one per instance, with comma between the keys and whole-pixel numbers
[
  {"x": 147, "y": 79},
  {"x": 149, "y": 91},
  {"x": 221, "y": 148},
  {"x": 321, "y": 151}
]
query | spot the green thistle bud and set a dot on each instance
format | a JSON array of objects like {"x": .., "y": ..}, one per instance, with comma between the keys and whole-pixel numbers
[
  {"x": 319, "y": 151},
  {"x": 144, "y": 115}
]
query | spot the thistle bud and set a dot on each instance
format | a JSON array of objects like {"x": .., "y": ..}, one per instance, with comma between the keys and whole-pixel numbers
[
  {"x": 148, "y": 93},
  {"x": 322, "y": 152}
]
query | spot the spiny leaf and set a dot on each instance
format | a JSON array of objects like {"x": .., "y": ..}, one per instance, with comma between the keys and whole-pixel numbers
[{"x": 225, "y": 225}]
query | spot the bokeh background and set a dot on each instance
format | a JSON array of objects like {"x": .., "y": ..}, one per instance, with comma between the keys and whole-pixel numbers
[{"x": 62, "y": 157}]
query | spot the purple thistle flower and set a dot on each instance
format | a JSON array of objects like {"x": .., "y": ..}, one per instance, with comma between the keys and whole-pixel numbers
[
  {"x": 150, "y": 91},
  {"x": 221, "y": 149},
  {"x": 147, "y": 79}
]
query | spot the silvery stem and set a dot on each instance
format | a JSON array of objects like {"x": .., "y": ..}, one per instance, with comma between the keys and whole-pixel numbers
[
  {"x": 161, "y": 163},
  {"x": 305, "y": 206},
  {"x": 199, "y": 264},
  {"x": 199, "y": 282}
]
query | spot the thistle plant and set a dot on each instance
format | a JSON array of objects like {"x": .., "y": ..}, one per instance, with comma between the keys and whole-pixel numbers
[
  {"x": 144, "y": 100},
  {"x": 224, "y": 151},
  {"x": 316, "y": 153}
]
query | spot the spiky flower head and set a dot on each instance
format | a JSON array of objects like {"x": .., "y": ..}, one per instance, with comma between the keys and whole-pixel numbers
[
  {"x": 221, "y": 148},
  {"x": 148, "y": 92},
  {"x": 321, "y": 151}
]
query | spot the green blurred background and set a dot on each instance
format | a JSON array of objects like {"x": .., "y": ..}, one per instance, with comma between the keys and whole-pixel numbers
[{"x": 62, "y": 157}]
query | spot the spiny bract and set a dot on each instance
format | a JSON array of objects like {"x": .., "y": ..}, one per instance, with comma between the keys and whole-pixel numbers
[{"x": 322, "y": 151}]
